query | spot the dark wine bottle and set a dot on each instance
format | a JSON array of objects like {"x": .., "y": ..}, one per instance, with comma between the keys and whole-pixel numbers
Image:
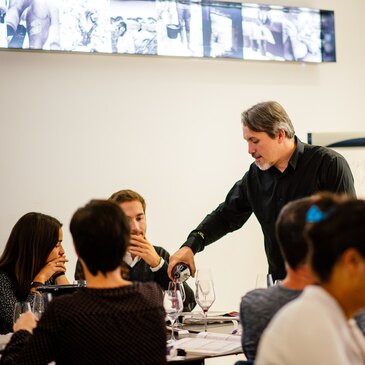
[{"x": 181, "y": 272}]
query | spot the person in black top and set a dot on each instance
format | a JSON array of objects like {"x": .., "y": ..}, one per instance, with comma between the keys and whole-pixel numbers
[
  {"x": 111, "y": 321},
  {"x": 145, "y": 262},
  {"x": 285, "y": 169}
]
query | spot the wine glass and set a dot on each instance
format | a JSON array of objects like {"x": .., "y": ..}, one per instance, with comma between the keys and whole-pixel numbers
[
  {"x": 176, "y": 285},
  {"x": 264, "y": 281},
  {"x": 204, "y": 292},
  {"x": 19, "y": 308},
  {"x": 81, "y": 283},
  {"x": 40, "y": 303},
  {"x": 173, "y": 307}
]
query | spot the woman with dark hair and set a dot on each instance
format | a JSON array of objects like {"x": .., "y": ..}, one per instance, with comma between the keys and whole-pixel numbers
[
  {"x": 318, "y": 327},
  {"x": 33, "y": 256}
]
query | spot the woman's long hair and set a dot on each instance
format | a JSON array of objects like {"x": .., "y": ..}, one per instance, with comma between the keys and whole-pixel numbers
[{"x": 30, "y": 242}]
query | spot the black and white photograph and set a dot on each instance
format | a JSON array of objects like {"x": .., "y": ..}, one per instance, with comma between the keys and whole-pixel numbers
[
  {"x": 262, "y": 33},
  {"x": 222, "y": 30},
  {"x": 30, "y": 24},
  {"x": 3, "y": 30},
  {"x": 133, "y": 27},
  {"x": 302, "y": 35},
  {"x": 185, "y": 28},
  {"x": 85, "y": 26},
  {"x": 281, "y": 34},
  {"x": 328, "y": 36},
  {"x": 179, "y": 28}
]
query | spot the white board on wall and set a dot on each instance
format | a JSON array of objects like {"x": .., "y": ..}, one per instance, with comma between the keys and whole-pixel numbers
[{"x": 354, "y": 152}]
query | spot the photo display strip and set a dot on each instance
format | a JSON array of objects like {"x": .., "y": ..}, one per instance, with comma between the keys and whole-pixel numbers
[{"x": 213, "y": 29}]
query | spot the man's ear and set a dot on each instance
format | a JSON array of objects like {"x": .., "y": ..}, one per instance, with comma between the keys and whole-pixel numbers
[
  {"x": 281, "y": 135},
  {"x": 352, "y": 260}
]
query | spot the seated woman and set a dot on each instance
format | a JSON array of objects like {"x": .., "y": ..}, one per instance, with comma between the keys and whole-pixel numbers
[
  {"x": 317, "y": 328},
  {"x": 111, "y": 321},
  {"x": 33, "y": 256}
]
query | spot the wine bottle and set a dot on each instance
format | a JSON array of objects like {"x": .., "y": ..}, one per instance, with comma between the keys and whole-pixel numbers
[{"x": 181, "y": 272}]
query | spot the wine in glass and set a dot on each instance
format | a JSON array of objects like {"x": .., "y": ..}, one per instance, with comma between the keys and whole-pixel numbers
[
  {"x": 174, "y": 286},
  {"x": 204, "y": 292},
  {"x": 173, "y": 307}
]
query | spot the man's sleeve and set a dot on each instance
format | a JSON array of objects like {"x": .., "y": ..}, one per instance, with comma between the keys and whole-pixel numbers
[
  {"x": 227, "y": 217},
  {"x": 338, "y": 178}
]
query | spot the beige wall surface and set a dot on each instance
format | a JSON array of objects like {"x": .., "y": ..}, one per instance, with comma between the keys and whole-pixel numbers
[{"x": 80, "y": 126}]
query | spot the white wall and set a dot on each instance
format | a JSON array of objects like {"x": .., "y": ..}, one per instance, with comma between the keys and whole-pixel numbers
[{"x": 75, "y": 127}]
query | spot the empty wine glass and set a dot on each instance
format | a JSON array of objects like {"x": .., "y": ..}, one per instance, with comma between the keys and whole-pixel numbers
[
  {"x": 175, "y": 285},
  {"x": 264, "y": 281},
  {"x": 19, "y": 308},
  {"x": 40, "y": 303},
  {"x": 81, "y": 283},
  {"x": 173, "y": 307},
  {"x": 204, "y": 292}
]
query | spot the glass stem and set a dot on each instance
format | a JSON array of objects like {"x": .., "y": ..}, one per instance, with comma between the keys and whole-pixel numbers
[
  {"x": 205, "y": 320},
  {"x": 172, "y": 331}
]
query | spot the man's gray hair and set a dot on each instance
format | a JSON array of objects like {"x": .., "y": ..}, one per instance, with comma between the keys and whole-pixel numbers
[{"x": 268, "y": 117}]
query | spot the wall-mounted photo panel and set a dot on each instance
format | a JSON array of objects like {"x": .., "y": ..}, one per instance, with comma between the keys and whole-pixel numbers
[
  {"x": 188, "y": 28},
  {"x": 222, "y": 29},
  {"x": 30, "y": 24},
  {"x": 179, "y": 28},
  {"x": 281, "y": 33},
  {"x": 328, "y": 36},
  {"x": 84, "y": 25},
  {"x": 133, "y": 26}
]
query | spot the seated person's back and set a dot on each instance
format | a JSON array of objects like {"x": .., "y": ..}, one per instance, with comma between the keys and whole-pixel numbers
[
  {"x": 144, "y": 262},
  {"x": 257, "y": 309},
  {"x": 259, "y": 306},
  {"x": 112, "y": 321},
  {"x": 318, "y": 327}
]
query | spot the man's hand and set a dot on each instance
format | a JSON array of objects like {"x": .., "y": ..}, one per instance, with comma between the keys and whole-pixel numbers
[
  {"x": 139, "y": 246},
  {"x": 27, "y": 321},
  {"x": 185, "y": 255}
]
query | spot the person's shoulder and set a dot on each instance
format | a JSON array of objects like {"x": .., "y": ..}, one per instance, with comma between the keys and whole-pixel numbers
[
  {"x": 151, "y": 291},
  {"x": 65, "y": 301},
  {"x": 249, "y": 176},
  {"x": 255, "y": 294},
  {"x": 265, "y": 292},
  {"x": 3, "y": 274},
  {"x": 293, "y": 310},
  {"x": 275, "y": 297},
  {"x": 4, "y": 277},
  {"x": 321, "y": 151}
]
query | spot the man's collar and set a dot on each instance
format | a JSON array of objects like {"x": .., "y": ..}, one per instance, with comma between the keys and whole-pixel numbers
[
  {"x": 129, "y": 260},
  {"x": 299, "y": 149}
]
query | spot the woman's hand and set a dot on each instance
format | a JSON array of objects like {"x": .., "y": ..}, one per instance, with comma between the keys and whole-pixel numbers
[
  {"x": 27, "y": 321},
  {"x": 52, "y": 267}
]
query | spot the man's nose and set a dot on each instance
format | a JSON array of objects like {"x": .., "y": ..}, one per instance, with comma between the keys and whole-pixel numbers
[
  {"x": 135, "y": 227},
  {"x": 250, "y": 148}
]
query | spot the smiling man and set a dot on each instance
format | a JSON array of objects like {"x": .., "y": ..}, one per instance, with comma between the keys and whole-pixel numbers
[{"x": 284, "y": 169}]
